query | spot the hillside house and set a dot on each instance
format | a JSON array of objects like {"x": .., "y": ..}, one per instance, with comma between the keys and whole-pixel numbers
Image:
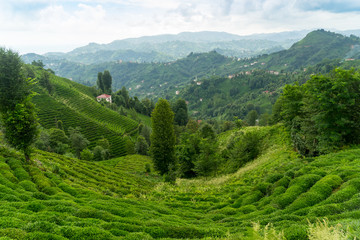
[{"x": 105, "y": 97}]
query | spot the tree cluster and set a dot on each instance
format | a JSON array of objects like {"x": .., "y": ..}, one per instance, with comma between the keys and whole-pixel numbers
[
  {"x": 122, "y": 99},
  {"x": 74, "y": 144},
  {"x": 323, "y": 114},
  {"x": 104, "y": 82},
  {"x": 18, "y": 113}
]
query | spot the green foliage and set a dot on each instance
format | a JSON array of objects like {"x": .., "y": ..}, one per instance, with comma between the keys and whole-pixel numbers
[
  {"x": 20, "y": 126},
  {"x": 162, "y": 147},
  {"x": 181, "y": 112},
  {"x": 77, "y": 140},
  {"x": 106, "y": 81},
  {"x": 86, "y": 154},
  {"x": 44, "y": 81},
  {"x": 243, "y": 149},
  {"x": 323, "y": 113},
  {"x": 251, "y": 118},
  {"x": 141, "y": 146},
  {"x": 206, "y": 163},
  {"x": 18, "y": 113}
]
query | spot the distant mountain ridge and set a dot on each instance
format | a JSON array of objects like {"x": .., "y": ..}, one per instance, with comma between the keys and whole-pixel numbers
[{"x": 169, "y": 47}]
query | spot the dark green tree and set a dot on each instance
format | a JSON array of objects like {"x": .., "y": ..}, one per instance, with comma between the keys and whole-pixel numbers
[
  {"x": 141, "y": 146},
  {"x": 77, "y": 140},
  {"x": 162, "y": 147},
  {"x": 251, "y": 117},
  {"x": 107, "y": 81},
  {"x": 44, "y": 81},
  {"x": 99, "y": 81},
  {"x": 181, "y": 112},
  {"x": 18, "y": 113}
]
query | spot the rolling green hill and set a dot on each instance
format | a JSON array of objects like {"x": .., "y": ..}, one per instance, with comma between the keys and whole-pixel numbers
[
  {"x": 56, "y": 197},
  {"x": 314, "y": 48},
  {"x": 161, "y": 79},
  {"x": 75, "y": 106}
]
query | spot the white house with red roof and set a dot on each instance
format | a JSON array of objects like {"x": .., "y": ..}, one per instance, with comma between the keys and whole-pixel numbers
[{"x": 104, "y": 96}]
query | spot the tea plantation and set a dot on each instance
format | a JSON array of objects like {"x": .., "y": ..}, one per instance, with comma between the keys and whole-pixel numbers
[
  {"x": 56, "y": 197},
  {"x": 75, "y": 106}
]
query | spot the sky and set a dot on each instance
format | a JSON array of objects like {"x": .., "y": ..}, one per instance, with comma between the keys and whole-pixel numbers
[{"x": 42, "y": 26}]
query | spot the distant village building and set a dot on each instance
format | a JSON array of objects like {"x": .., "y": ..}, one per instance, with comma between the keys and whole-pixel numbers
[{"x": 104, "y": 96}]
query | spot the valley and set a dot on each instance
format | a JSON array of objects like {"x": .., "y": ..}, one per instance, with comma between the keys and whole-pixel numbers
[{"x": 263, "y": 145}]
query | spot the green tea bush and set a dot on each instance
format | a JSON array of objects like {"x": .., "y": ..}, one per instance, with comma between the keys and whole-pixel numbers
[
  {"x": 296, "y": 232},
  {"x": 35, "y": 206},
  {"x": 13, "y": 233},
  {"x": 264, "y": 188},
  {"x": 10, "y": 222},
  {"x": 319, "y": 192},
  {"x": 278, "y": 190},
  {"x": 8, "y": 175},
  {"x": 352, "y": 204},
  {"x": 66, "y": 188},
  {"x": 28, "y": 185},
  {"x": 138, "y": 236},
  {"x": 18, "y": 170},
  {"x": 40, "y": 196},
  {"x": 252, "y": 197},
  {"x": 247, "y": 209},
  {"x": 297, "y": 186},
  {"x": 91, "y": 233},
  {"x": 155, "y": 231},
  {"x": 122, "y": 226},
  {"x": 272, "y": 178},
  {"x": 40, "y": 226},
  {"x": 44, "y": 236},
  {"x": 284, "y": 182},
  {"x": 87, "y": 212},
  {"x": 325, "y": 210}
]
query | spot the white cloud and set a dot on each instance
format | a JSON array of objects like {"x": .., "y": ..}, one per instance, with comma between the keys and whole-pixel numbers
[{"x": 43, "y": 25}]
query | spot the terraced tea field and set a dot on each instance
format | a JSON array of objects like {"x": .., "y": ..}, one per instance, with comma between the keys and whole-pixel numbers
[
  {"x": 75, "y": 106},
  {"x": 57, "y": 197}
]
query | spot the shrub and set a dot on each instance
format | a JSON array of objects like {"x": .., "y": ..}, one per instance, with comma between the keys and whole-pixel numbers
[
  {"x": 296, "y": 232},
  {"x": 325, "y": 210},
  {"x": 247, "y": 209},
  {"x": 272, "y": 178},
  {"x": 320, "y": 191},
  {"x": 91, "y": 233},
  {"x": 28, "y": 185},
  {"x": 13, "y": 233},
  {"x": 297, "y": 186},
  {"x": 66, "y": 188},
  {"x": 138, "y": 236},
  {"x": 10, "y": 222},
  {"x": 35, "y": 206},
  {"x": 44, "y": 236},
  {"x": 86, "y": 154},
  {"x": 40, "y": 226},
  {"x": 252, "y": 197}
]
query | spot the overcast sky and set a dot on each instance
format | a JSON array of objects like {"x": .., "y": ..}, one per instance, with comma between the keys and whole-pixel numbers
[{"x": 61, "y": 25}]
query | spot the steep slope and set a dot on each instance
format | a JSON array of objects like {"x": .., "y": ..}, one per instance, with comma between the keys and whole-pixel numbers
[
  {"x": 62, "y": 198},
  {"x": 75, "y": 106},
  {"x": 315, "y": 47}
]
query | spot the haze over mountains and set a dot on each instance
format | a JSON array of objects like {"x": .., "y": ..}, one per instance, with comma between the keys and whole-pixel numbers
[{"x": 163, "y": 48}]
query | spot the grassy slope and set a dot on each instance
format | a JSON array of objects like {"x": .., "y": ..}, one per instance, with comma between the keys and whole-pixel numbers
[
  {"x": 75, "y": 105},
  {"x": 58, "y": 197}
]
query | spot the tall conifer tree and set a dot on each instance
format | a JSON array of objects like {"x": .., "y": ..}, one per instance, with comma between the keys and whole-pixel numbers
[{"x": 162, "y": 147}]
